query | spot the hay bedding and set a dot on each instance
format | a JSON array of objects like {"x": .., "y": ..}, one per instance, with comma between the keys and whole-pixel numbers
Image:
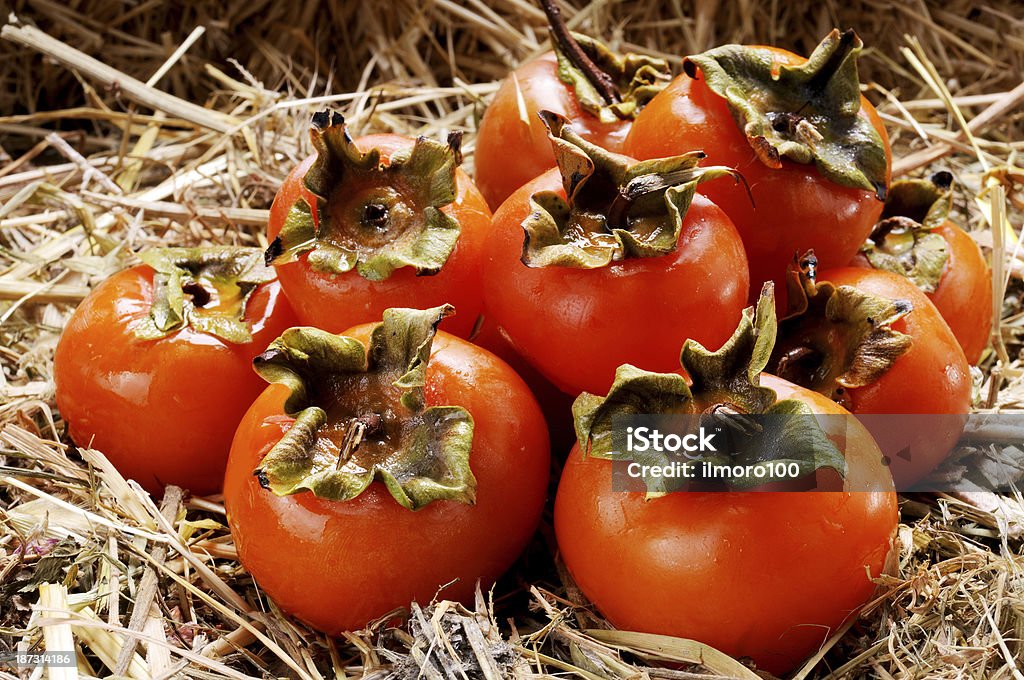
[{"x": 101, "y": 157}]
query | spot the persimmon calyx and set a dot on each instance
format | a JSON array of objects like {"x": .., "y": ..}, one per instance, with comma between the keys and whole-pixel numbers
[
  {"x": 372, "y": 215},
  {"x": 206, "y": 289},
  {"x": 835, "y": 337},
  {"x": 361, "y": 415},
  {"x": 808, "y": 113},
  {"x": 723, "y": 382},
  {"x": 615, "y": 208},
  {"x": 636, "y": 78},
  {"x": 903, "y": 242}
]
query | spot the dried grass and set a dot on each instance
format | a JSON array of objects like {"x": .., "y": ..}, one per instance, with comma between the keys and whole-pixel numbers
[{"x": 99, "y": 158}]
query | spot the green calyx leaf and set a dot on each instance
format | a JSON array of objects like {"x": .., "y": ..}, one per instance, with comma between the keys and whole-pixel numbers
[
  {"x": 807, "y": 113},
  {"x": 926, "y": 202},
  {"x": 902, "y": 242},
  {"x": 722, "y": 383},
  {"x": 637, "y": 79},
  {"x": 789, "y": 435},
  {"x": 372, "y": 215},
  {"x": 614, "y": 208},
  {"x": 361, "y": 415},
  {"x": 202, "y": 288},
  {"x": 634, "y": 392},
  {"x": 732, "y": 373},
  {"x": 836, "y": 337}
]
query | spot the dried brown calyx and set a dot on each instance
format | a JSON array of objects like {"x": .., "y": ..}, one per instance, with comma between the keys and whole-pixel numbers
[{"x": 834, "y": 338}]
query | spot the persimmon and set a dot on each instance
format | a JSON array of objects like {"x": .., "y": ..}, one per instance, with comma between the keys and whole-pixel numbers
[
  {"x": 154, "y": 368},
  {"x": 916, "y": 239},
  {"x": 598, "y": 90},
  {"x": 813, "y": 150},
  {"x": 383, "y": 466},
  {"x": 768, "y": 575},
  {"x": 873, "y": 342},
  {"x": 606, "y": 260},
  {"x": 382, "y": 221}
]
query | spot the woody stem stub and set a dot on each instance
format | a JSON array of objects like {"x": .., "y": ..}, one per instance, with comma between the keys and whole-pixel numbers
[
  {"x": 376, "y": 215},
  {"x": 601, "y": 81}
]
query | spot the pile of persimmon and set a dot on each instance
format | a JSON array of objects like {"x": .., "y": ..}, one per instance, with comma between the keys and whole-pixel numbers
[{"x": 343, "y": 388}]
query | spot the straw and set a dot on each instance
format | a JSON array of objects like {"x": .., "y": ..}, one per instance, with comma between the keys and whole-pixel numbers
[{"x": 133, "y": 125}]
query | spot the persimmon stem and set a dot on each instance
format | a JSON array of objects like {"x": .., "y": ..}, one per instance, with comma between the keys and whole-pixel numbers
[
  {"x": 809, "y": 263},
  {"x": 601, "y": 81},
  {"x": 735, "y": 416},
  {"x": 641, "y": 186},
  {"x": 353, "y": 438},
  {"x": 200, "y": 296},
  {"x": 376, "y": 215},
  {"x": 884, "y": 227},
  {"x": 725, "y": 408},
  {"x": 799, "y": 364},
  {"x": 659, "y": 182}
]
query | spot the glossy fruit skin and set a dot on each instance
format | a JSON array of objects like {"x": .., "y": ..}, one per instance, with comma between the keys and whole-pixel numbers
[
  {"x": 336, "y": 302},
  {"x": 340, "y": 565},
  {"x": 964, "y": 293},
  {"x": 795, "y": 208},
  {"x": 163, "y": 411},
  {"x": 931, "y": 378},
  {"x": 769, "y": 575},
  {"x": 577, "y": 325},
  {"x": 510, "y": 153},
  {"x": 555, "y": 404}
]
